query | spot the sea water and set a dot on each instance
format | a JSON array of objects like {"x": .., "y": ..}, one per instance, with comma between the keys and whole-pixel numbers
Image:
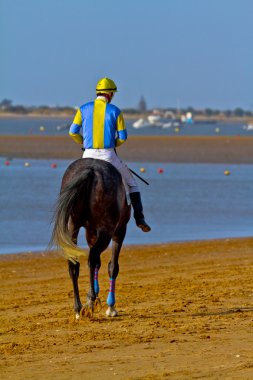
[
  {"x": 59, "y": 127},
  {"x": 182, "y": 202}
]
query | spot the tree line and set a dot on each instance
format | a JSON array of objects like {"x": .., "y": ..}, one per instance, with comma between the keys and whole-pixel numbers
[{"x": 7, "y": 106}]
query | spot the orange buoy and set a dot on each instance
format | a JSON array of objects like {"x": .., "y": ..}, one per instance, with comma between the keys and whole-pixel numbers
[
  {"x": 160, "y": 170},
  {"x": 53, "y": 165}
]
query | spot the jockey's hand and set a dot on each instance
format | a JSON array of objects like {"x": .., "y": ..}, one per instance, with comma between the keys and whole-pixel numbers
[{"x": 77, "y": 138}]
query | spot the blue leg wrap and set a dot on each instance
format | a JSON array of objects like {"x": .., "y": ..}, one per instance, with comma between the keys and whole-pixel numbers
[
  {"x": 111, "y": 295},
  {"x": 96, "y": 287},
  {"x": 96, "y": 284}
]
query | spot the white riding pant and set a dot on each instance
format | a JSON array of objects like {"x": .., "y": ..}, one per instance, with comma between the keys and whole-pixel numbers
[{"x": 110, "y": 155}]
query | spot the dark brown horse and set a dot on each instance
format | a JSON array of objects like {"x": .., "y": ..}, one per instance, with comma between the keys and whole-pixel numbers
[{"x": 92, "y": 196}]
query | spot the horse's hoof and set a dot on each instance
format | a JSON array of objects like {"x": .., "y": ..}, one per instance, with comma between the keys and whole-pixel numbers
[
  {"x": 77, "y": 316},
  {"x": 97, "y": 305},
  {"x": 111, "y": 312},
  {"x": 86, "y": 312}
]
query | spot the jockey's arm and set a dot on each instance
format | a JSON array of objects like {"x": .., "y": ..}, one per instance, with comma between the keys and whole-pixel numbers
[
  {"x": 121, "y": 131},
  {"x": 75, "y": 127}
]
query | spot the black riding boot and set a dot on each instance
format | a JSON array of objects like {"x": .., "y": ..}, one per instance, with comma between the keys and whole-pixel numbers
[{"x": 138, "y": 212}]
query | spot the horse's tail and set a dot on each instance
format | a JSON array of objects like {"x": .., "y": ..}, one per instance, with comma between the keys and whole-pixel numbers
[{"x": 73, "y": 194}]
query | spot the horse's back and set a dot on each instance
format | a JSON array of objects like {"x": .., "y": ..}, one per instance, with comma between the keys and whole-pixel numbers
[
  {"x": 106, "y": 171},
  {"x": 106, "y": 203}
]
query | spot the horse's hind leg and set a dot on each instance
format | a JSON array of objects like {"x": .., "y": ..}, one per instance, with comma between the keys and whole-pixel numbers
[
  {"x": 74, "y": 270},
  {"x": 74, "y": 274},
  {"x": 113, "y": 270}
]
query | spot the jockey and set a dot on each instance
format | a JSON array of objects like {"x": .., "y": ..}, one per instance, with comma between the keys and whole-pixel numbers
[{"x": 104, "y": 130}]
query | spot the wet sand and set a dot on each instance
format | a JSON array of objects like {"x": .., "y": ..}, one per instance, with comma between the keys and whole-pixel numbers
[
  {"x": 217, "y": 149},
  {"x": 185, "y": 312}
]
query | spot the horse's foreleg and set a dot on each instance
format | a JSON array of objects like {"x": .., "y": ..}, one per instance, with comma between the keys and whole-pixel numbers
[
  {"x": 96, "y": 283},
  {"x": 94, "y": 291},
  {"x": 113, "y": 271},
  {"x": 94, "y": 265},
  {"x": 91, "y": 237},
  {"x": 92, "y": 301},
  {"x": 94, "y": 262},
  {"x": 74, "y": 274},
  {"x": 97, "y": 303}
]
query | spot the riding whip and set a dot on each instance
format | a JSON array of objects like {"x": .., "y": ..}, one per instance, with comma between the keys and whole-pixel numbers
[{"x": 137, "y": 175}]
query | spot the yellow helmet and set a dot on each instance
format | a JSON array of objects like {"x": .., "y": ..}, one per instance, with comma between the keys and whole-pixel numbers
[{"x": 106, "y": 85}]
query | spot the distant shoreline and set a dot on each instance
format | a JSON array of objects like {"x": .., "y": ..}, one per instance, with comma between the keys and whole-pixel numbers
[
  {"x": 34, "y": 115},
  {"x": 127, "y": 116}
]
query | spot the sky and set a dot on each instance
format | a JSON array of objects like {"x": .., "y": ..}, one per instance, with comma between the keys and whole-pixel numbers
[{"x": 175, "y": 53}]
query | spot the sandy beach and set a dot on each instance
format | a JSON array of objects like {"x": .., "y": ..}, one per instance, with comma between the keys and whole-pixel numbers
[{"x": 185, "y": 312}]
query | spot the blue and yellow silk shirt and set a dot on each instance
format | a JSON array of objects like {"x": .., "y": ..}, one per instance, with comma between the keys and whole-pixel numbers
[{"x": 102, "y": 123}]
